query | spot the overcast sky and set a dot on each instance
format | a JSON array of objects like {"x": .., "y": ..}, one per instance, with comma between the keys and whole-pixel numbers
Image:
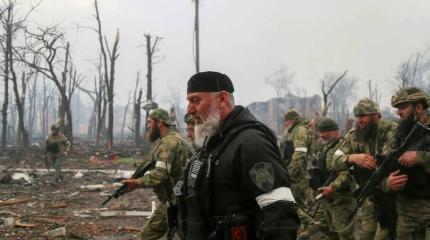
[{"x": 249, "y": 39}]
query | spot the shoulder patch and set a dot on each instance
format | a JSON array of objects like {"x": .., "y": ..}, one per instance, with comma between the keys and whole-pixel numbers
[{"x": 263, "y": 176}]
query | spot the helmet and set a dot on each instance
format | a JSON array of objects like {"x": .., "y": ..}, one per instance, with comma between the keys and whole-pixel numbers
[{"x": 409, "y": 95}]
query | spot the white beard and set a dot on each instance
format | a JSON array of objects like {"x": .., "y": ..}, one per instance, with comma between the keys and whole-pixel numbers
[{"x": 208, "y": 128}]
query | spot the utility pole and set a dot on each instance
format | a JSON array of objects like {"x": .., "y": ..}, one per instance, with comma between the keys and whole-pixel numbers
[{"x": 197, "y": 38}]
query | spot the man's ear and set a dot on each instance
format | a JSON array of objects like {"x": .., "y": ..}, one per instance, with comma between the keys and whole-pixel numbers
[
  {"x": 159, "y": 123},
  {"x": 223, "y": 98}
]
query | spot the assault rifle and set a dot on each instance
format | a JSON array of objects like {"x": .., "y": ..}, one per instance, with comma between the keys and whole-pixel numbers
[
  {"x": 389, "y": 163},
  {"x": 140, "y": 171},
  {"x": 312, "y": 210}
]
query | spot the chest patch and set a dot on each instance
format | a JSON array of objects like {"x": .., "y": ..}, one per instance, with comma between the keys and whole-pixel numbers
[{"x": 263, "y": 176}]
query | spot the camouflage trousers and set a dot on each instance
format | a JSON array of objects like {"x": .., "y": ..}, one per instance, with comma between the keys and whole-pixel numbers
[
  {"x": 314, "y": 228},
  {"x": 57, "y": 162},
  {"x": 413, "y": 221},
  {"x": 156, "y": 226},
  {"x": 370, "y": 228},
  {"x": 304, "y": 197},
  {"x": 339, "y": 212}
]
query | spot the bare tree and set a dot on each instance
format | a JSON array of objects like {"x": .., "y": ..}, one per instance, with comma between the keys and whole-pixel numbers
[
  {"x": 327, "y": 86},
  {"x": 341, "y": 97},
  {"x": 412, "y": 71},
  {"x": 92, "y": 121},
  {"x": 137, "y": 101},
  {"x": 45, "y": 46},
  {"x": 11, "y": 24},
  {"x": 280, "y": 80},
  {"x": 109, "y": 75},
  {"x": 374, "y": 92},
  {"x": 151, "y": 48},
  {"x": 125, "y": 114}
]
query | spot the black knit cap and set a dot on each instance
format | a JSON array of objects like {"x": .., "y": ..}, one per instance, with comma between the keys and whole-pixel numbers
[
  {"x": 327, "y": 124},
  {"x": 209, "y": 82}
]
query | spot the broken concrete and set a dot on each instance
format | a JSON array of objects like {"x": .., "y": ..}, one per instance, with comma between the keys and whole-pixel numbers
[
  {"x": 9, "y": 222},
  {"x": 126, "y": 214},
  {"x": 20, "y": 175},
  {"x": 59, "y": 232}
]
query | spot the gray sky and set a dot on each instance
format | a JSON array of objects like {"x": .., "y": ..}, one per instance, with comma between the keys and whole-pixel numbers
[{"x": 249, "y": 39}]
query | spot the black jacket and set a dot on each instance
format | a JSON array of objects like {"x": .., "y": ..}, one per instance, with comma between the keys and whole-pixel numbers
[{"x": 248, "y": 167}]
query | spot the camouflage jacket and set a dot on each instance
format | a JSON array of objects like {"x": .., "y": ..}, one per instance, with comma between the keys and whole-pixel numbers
[
  {"x": 170, "y": 153},
  {"x": 302, "y": 138},
  {"x": 344, "y": 182},
  {"x": 351, "y": 144},
  {"x": 56, "y": 145}
]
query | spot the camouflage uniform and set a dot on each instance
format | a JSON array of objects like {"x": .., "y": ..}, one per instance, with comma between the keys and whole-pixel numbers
[
  {"x": 55, "y": 148},
  {"x": 301, "y": 138},
  {"x": 341, "y": 206},
  {"x": 352, "y": 145},
  {"x": 170, "y": 153},
  {"x": 413, "y": 220}
]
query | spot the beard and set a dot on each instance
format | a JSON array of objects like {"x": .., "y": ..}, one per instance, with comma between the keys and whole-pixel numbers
[
  {"x": 404, "y": 127},
  {"x": 207, "y": 128},
  {"x": 154, "y": 134},
  {"x": 366, "y": 132}
]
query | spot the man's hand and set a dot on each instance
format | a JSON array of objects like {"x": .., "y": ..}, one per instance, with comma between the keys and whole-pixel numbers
[
  {"x": 408, "y": 159},
  {"x": 131, "y": 184},
  {"x": 362, "y": 160},
  {"x": 326, "y": 192},
  {"x": 396, "y": 182}
]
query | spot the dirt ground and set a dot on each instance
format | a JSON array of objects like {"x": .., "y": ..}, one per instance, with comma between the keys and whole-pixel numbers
[{"x": 41, "y": 206}]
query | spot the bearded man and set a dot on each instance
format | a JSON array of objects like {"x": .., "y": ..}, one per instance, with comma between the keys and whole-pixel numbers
[
  {"x": 411, "y": 181},
  {"x": 356, "y": 152},
  {"x": 170, "y": 152},
  {"x": 235, "y": 186}
]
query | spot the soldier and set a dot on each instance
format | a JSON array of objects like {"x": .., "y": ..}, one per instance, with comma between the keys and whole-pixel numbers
[
  {"x": 300, "y": 136},
  {"x": 56, "y": 149},
  {"x": 338, "y": 201},
  {"x": 412, "y": 180},
  {"x": 189, "y": 120},
  {"x": 357, "y": 151},
  {"x": 170, "y": 152},
  {"x": 234, "y": 187}
]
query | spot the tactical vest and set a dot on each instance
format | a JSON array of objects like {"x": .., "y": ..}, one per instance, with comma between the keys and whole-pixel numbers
[
  {"x": 319, "y": 172},
  {"x": 193, "y": 191},
  {"x": 418, "y": 184}
]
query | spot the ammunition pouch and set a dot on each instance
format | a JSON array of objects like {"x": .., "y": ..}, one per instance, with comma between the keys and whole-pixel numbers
[
  {"x": 231, "y": 227},
  {"x": 418, "y": 183},
  {"x": 318, "y": 172},
  {"x": 53, "y": 147}
]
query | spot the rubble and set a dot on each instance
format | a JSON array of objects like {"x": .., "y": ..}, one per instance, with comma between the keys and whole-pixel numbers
[
  {"x": 126, "y": 214},
  {"x": 79, "y": 174},
  {"x": 39, "y": 209},
  {"x": 18, "y": 176},
  {"x": 14, "y": 201},
  {"x": 24, "y": 225},
  {"x": 9, "y": 222},
  {"x": 57, "y": 232},
  {"x": 98, "y": 187}
]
